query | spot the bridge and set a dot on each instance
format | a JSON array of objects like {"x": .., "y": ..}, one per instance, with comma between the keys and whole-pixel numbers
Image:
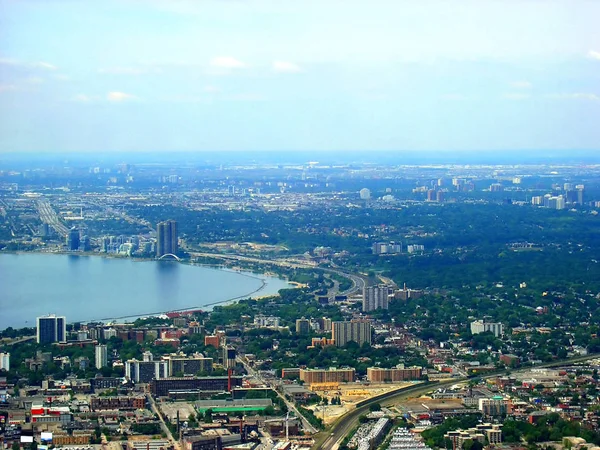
[{"x": 169, "y": 256}]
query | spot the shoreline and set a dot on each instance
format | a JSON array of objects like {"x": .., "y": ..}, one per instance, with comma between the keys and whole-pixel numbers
[{"x": 260, "y": 276}]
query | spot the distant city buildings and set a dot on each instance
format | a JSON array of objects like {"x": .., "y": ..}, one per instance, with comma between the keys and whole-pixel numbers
[
  {"x": 481, "y": 326},
  {"x": 5, "y": 361},
  {"x": 167, "y": 241},
  {"x": 101, "y": 356},
  {"x": 365, "y": 194},
  {"x": 358, "y": 331},
  {"x": 50, "y": 329},
  {"x": 376, "y": 297}
]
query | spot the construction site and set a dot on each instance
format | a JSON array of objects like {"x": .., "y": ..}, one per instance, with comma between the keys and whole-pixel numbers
[{"x": 350, "y": 394}]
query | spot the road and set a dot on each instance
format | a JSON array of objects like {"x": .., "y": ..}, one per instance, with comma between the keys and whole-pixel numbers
[
  {"x": 163, "y": 425},
  {"x": 358, "y": 283},
  {"x": 290, "y": 405},
  {"x": 330, "y": 439},
  {"x": 49, "y": 216}
]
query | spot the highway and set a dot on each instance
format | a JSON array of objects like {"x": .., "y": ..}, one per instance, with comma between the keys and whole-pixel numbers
[
  {"x": 358, "y": 283},
  {"x": 49, "y": 216}
]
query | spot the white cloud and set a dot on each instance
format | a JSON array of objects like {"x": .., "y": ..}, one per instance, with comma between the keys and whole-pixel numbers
[
  {"x": 286, "y": 67},
  {"x": 212, "y": 89},
  {"x": 34, "y": 65},
  {"x": 521, "y": 84},
  {"x": 7, "y": 87},
  {"x": 45, "y": 65},
  {"x": 516, "y": 96},
  {"x": 128, "y": 70},
  {"x": 593, "y": 54},
  {"x": 82, "y": 98},
  {"x": 116, "y": 96},
  {"x": 576, "y": 96},
  {"x": 34, "y": 80},
  {"x": 227, "y": 62},
  {"x": 453, "y": 97}
]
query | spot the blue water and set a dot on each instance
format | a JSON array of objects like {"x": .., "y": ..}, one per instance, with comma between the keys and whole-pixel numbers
[{"x": 93, "y": 288}]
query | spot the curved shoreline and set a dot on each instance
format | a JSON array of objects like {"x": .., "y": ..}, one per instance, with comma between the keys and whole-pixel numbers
[{"x": 261, "y": 277}]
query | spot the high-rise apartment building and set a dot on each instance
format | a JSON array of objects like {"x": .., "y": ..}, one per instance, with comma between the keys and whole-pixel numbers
[
  {"x": 358, "y": 331},
  {"x": 228, "y": 356},
  {"x": 183, "y": 365},
  {"x": 376, "y": 297},
  {"x": 4, "y": 361},
  {"x": 51, "y": 329},
  {"x": 302, "y": 326},
  {"x": 481, "y": 326},
  {"x": 167, "y": 238},
  {"x": 145, "y": 371},
  {"x": 101, "y": 353}
]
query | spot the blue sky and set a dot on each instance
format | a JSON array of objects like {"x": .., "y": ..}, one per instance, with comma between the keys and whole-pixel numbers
[{"x": 148, "y": 75}]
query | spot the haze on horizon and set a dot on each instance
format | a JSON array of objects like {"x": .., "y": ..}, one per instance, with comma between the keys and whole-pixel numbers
[{"x": 249, "y": 75}]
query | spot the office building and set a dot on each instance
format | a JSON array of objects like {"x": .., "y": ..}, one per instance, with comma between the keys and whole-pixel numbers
[
  {"x": 167, "y": 238},
  {"x": 302, "y": 326},
  {"x": 5, "y": 361},
  {"x": 580, "y": 190},
  {"x": 376, "y": 297},
  {"x": 358, "y": 331},
  {"x": 51, "y": 329},
  {"x": 108, "y": 333},
  {"x": 145, "y": 371},
  {"x": 331, "y": 375},
  {"x": 228, "y": 356},
  {"x": 101, "y": 353},
  {"x": 379, "y": 375},
  {"x": 73, "y": 239},
  {"x": 481, "y": 326},
  {"x": 183, "y": 365}
]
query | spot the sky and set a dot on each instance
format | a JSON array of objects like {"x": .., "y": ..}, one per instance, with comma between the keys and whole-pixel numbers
[{"x": 317, "y": 75}]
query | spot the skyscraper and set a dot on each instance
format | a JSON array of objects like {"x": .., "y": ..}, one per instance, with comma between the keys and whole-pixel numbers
[
  {"x": 73, "y": 239},
  {"x": 101, "y": 356},
  {"x": 167, "y": 238},
  {"x": 51, "y": 329}
]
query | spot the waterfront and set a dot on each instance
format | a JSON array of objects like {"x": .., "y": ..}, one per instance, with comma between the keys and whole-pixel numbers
[{"x": 94, "y": 288}]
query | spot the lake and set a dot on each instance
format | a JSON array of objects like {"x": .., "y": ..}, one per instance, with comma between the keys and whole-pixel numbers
[{"x": 85, "y": 288}]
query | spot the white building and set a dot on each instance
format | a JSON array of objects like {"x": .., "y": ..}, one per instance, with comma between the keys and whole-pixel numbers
[
  {"x": 101, "y": 356},
  {"x": 5, "y": 361},
  {"x": 365, "y": 194},
  {"x": 481, "y": 326}
]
